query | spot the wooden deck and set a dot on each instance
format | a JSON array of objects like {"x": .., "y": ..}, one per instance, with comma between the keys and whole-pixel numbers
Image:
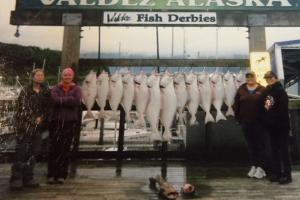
[{"x": 108, "y": 180}]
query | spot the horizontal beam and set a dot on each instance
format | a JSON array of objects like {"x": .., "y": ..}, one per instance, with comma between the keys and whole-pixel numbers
[
  {"x": 166, "y": 62},
  {"x": 8, "y": 155},
  {"x": 224, "y": 18}
]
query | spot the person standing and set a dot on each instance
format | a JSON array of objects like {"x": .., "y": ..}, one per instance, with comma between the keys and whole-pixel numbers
[
  {"x": 66, "y": 98},
  {"x": 276, "y": 119},
  {"x": 247, "y": 112},
  {"x": 30, "y": 120}
]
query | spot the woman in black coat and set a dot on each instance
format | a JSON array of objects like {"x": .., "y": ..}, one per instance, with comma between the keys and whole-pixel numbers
[
  {"x": 31, "y": 117},
  {"x": 276, "y": 118}
]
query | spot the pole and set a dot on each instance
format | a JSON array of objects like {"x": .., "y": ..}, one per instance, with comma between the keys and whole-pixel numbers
[
  {"x": 99, "y": 42},
  {"x": 121, "y": 132},
  {"x": 44, "y": 64},
  {"x": 184, "y": 45},
  {"x": 217, "y": 43},
  {"x": 157, "y": 47},
  {"x": 101, "y": 134},
  {"x": 172, "y": 42},
  {"x": 33, "y": 66},
  {"x": 119, "y": 49}
]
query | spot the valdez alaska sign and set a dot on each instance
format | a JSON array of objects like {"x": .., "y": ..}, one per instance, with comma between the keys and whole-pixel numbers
[{"x": 169, "y": 5}]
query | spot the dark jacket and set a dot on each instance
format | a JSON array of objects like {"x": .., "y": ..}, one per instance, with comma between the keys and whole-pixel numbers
[
  {"x": 277, "y": 114},
  {"x": 247, "y": 106},
  {"x": 66, "y": 105},
  {"x": 29, "y": 106}
]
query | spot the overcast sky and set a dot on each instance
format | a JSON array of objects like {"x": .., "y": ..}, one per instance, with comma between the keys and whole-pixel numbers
[{"x": 200, "y": 42}]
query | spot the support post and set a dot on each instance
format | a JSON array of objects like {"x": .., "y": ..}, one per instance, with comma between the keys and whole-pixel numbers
[
  {"x": 71, "y": 46},
  {"x": 257, "y": 39},
  {"x": 101, "y": 136},
  {"x": 121, "y": 131}
]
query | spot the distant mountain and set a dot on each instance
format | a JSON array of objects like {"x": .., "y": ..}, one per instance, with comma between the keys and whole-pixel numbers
[{"x": 18, "y": 60}]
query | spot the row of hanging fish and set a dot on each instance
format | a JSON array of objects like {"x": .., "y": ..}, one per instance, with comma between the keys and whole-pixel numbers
[{"x": 161, "y": 97}]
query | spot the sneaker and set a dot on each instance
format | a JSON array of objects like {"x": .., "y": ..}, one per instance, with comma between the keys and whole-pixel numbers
[
  {"x": 16, "y": 185},
  {"x": 285, "y": 180},
  {"x": 60, "y": 181},
  {"x": 51, "y": 180},
  {"x": 31, "y": 184},
  {"x": 274, "y": 178},
  {"x": 251, "y": 172},
  {"x": 259, "y": 173}
]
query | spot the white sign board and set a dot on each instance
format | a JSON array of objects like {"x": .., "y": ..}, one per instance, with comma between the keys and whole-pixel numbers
[{"x": 167, "y": 18}]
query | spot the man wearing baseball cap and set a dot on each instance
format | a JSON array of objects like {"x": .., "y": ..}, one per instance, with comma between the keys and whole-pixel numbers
[{"x": 276, "y": 118}]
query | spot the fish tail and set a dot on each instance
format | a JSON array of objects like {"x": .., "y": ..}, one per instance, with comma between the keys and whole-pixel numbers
[
  {"x": 128, "y": 118},
  {"x": 230, "y": 111},
  {"x": 180, "y": 118},
  {"x": 89, "y": 115},
  {"x": 115, "y": 116},
  {"x": 167, "y": 136},
  {"x": 155, "y": 136},
  {"x": 220, "y": 116},
  {"x": 102, "y": 114},
  {"x": 193, "y": 120},
  {"x": 140, "y": 122},
  {"x": 209, "y": 118}
]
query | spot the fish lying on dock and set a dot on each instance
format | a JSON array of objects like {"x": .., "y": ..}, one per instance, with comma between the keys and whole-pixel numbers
[{"x": 165, "y": 190}]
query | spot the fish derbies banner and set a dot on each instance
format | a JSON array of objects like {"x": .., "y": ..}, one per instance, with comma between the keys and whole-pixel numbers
[
  {"x": 163, "y": 5},
  {"x": 159, "y": 18}
]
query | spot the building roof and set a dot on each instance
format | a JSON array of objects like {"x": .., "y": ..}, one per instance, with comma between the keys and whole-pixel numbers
[{"x": 291, "y": 60}]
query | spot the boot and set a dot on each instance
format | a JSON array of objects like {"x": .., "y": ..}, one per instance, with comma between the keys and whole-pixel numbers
[
  {"x": 31, "y": 184},
  {"x": 60, "y": 181},
  {"x": 16, "y": 184},
  {"x": 51, "y": 180},
  {"x": 274, "y": 178},
  {"x": 285, "y": 179}
]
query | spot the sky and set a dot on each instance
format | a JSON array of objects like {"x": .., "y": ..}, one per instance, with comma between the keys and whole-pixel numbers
[{"x": 189, "y": 42}]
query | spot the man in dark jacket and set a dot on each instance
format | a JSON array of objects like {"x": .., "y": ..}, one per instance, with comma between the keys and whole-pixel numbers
[
  {"x": 247, "y": 112},
  {"x": 276, "y": 118},
  {"x": 31, "y": 117}
]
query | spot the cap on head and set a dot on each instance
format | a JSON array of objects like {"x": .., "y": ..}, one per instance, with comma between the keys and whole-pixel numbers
[
  {"x": 270, "y": 74},
  {"x": 68, "y": 71},
  {"x": 250, "y": 74}
]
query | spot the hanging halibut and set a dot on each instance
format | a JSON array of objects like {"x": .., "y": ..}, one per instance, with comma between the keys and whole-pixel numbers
[
  {"x": 141, "y": 97},
  {"x": 205, "y": 95},
  {"x": 154, "y": 105},
  {"x": 240, "y": 79},
  {"x": 181, "y": 94},
  {"x": 230, "y": 92},
  {"x": 218, "y": 94},
  {"x": 193, "y": 96},
  {"x": 115, "y": 92},
  {"x": 89, "y": 93},
  {"x": 169, "y": 105},
  {"x": 128, "y": 95},
  {"x": 102, "y": 92}
]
